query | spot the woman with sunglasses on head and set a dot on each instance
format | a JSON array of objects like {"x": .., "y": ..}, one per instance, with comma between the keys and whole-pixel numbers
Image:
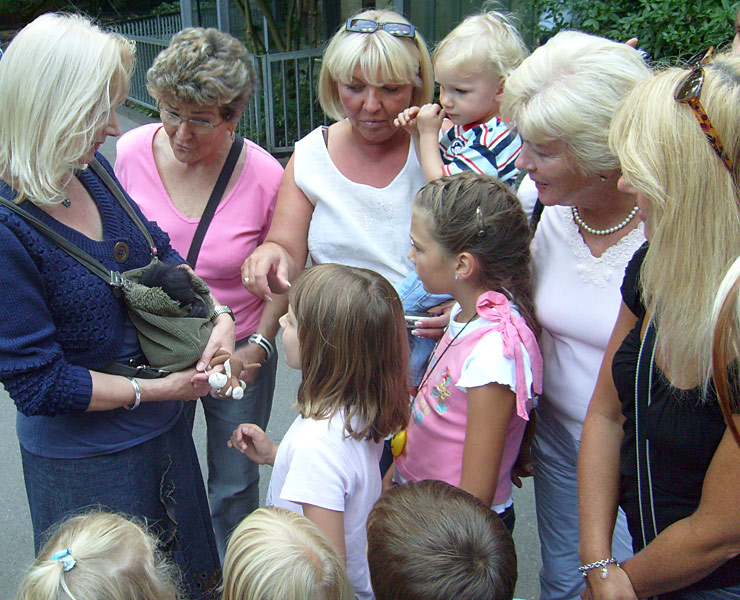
[
  {"x": 347, "y": 191},
  {"x": 655, "y": 441},
  {"x": 202, "y": 83}
]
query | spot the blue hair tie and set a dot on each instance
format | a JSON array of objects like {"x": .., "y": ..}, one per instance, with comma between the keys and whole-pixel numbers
[{"x": 65, "y": 557}]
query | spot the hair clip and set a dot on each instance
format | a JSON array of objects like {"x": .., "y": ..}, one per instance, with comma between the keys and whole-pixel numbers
[
  {"x": 480, "y": 222},
  {"x": 65, "y": 557}
]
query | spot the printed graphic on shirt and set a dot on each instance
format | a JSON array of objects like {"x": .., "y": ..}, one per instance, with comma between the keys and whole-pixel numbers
[{"x": 439, "y": 395}]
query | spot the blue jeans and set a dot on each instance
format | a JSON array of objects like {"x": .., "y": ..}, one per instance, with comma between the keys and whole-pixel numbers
[
  {"x": 415, "y": 298},
  {"x": 555, "y": 452},
  {"x": 158, "y": 481},
  {"x": 233, "y": 479}
]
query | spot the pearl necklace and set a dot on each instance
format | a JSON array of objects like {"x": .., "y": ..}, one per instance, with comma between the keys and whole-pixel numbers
[{"x": 592, "y": 231}]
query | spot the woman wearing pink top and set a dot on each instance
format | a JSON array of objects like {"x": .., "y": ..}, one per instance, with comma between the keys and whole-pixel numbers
[{"x": 202, "y": 83}]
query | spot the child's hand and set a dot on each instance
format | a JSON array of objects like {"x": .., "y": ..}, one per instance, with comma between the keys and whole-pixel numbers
[
  {"x": 407, "y": 120},
  {"x": 429, "y": 119},
  {"x": 251, "y": 441}
]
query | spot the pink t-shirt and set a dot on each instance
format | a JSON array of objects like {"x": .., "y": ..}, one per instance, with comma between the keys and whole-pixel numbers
[
  {"x": 240, "y": 224},
  {"x": 479, "y": 355}
]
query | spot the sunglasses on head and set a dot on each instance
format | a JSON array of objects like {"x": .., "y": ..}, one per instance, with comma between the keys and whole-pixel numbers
[
  {"x": 368, "y": 26},
  {"x": 688, "y": 91}
]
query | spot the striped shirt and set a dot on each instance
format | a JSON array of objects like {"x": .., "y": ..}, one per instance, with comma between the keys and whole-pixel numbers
[{"x": 489, "y": 148}]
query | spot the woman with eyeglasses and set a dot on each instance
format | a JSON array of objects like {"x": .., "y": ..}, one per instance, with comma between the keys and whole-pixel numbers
[
  {"x": 562, "y": 99},
  {"x": 655, "y": 441},
  {"x": 202, "y": 83},
  {"x": 88, "y": 437},
  {"x": 347, "y": 191}
]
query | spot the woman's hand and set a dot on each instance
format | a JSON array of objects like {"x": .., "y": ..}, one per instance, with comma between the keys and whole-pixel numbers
[
  {"x": 616, "y": 586},
  {"x": 222, "y": 336},
  {"x": 251, "y": 441},
  {"x": 434, "y": 327},
  {"x": 252, "y": 355},
  {"x": 266, "y": 271}
]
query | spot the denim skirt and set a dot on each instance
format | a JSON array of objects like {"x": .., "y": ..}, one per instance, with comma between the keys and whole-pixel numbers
[{"x": 158, "y": 481}]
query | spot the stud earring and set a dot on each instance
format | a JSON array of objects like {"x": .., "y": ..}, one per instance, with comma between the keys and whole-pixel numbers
[{"x": 457, "y": 277}]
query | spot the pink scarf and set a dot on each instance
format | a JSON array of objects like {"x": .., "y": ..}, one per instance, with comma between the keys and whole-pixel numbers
[{"x": 494, "y": 307}]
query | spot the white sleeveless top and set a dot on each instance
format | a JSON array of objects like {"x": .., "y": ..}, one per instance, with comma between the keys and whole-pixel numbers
[{"x": 353, "y": 223}]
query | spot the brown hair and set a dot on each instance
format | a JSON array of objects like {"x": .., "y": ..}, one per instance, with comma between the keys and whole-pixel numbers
[
  {"x": 354, "y": 352},
  {"x": 429, "y": 540},
  {"x": 498, "y": 234},
  {"x": 205, "y": 67}
]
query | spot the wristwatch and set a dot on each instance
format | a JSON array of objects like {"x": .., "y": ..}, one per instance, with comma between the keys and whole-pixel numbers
[
  {"x": 262, "y": 342},
  {"x": 219, "y": 310}
]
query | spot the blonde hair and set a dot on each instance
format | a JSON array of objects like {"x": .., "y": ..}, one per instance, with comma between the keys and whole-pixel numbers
[
  {"x": 115, "y": 559},
  {"x": 568, "y": 90},
  {"x": 354, "y": 352},
  {"x": 277, "y": 554},
  {"x": 382, "y": 58},
  {"x": 488, "y": 43},
  {"x": 693, "y": 205},
  {"x": 726, "y": 346},
  {"x": 60, "y": 78},
  {"x": 205, "y": 67}
]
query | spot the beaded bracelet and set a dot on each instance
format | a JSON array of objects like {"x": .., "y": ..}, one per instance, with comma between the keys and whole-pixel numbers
[
  {"x": 584, "y": 569},
  {"x": 262, "y": 342}
]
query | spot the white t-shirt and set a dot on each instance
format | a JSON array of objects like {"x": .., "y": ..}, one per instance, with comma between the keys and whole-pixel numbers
[
  {"x": 316, "y": 464},
  {"x": 353, "y": 223},
  {"x": 576, "y": 299}
]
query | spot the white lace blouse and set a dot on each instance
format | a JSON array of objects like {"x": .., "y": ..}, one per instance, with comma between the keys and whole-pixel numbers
[{"x": 577, "y": 299}]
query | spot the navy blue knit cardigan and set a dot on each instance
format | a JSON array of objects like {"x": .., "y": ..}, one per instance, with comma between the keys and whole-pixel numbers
[{"x": 58, "y": 320}]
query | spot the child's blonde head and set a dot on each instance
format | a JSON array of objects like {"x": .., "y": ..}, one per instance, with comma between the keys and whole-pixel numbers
[
  {"x": 486, "y": 43},
  {"x": 354, "y": 352},
  {"x": 275, "y": 554},
  {"x": 113, "y": 558},
  {"x": 481, "y": 215}
]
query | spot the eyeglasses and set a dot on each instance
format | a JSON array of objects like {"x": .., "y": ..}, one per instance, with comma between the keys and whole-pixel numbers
[
  {"x": 368, "y": 26},
  {"x": 688, "y": 92},
  {"x": 172, "y": 119}
]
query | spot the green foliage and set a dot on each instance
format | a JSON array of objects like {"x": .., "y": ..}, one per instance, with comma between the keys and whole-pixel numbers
[{"x": 667, "y": 29}]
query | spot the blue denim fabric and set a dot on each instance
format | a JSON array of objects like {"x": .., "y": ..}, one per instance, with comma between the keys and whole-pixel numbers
[
  {"x": 556, "y": 498},
  {"x": 416, "y": 299},
  {"x": 233, "y": 479},
  {"x": 158, "y": 481}
]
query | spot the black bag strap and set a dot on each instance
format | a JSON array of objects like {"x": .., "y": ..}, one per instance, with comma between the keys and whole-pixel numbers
[
  {"x": 216, "y": 195},
  {"x": 115, "y": 189},
  {"x": 112, "y": 278},
  {"x": 643, "y": 385},
  {"x": 534, "y": 220}
]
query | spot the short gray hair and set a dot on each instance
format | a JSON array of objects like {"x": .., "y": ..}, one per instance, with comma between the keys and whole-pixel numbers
[{"x": 205, "y": 67}]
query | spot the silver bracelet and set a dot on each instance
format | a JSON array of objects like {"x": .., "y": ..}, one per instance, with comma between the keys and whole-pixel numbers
[
  {"x": 262, "y": 342},
  {"x": 137, "y": 392},
  {"x": 602, "y": 564}
]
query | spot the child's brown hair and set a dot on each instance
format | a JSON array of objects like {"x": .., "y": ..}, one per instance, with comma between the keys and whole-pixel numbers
[
  {"x": 354, "y": 352},
  {"x": 429, "y": 540},
  {"x": 480, "y": 214}
]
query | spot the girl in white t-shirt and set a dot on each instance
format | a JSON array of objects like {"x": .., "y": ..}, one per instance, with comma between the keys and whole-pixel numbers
[
  {"x": 470, "y": 239},
  {"x": 345, "y": 330}
]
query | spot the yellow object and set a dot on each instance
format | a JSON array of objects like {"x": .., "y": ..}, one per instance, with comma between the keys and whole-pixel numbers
[{"x": 398, "y": 443}]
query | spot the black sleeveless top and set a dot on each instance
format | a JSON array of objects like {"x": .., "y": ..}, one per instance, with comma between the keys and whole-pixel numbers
[{"x": 684, "y": 430}]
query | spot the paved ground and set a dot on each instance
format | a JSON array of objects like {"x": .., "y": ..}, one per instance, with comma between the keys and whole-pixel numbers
[{"x": 15, "y": 526}]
